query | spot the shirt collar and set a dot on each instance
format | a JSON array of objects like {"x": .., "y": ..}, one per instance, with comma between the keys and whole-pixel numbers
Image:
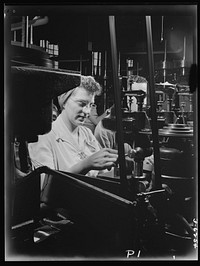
[{"x": 60, "y": 129}]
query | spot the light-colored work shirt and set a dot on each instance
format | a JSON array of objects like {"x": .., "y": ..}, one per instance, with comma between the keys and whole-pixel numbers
[
  {"x": 59, "y": 150},
  {"x": 105, "y": 137}
]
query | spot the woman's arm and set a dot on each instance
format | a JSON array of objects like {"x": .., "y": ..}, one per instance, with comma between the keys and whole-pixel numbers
[
  {"x": 103, "y": 159},
  {"x": 95, "y": 118}
]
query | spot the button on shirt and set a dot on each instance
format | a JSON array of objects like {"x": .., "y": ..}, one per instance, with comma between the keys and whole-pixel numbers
[{"x": 60, "y": 149}]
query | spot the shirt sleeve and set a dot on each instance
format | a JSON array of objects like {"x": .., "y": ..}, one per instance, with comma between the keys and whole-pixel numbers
[
  {"x": 41, "y": 153},
  {"x": 105, "y": 137}
]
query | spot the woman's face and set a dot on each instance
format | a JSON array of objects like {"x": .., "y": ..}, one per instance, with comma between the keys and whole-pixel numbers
[{"x": 77, "y": 107}]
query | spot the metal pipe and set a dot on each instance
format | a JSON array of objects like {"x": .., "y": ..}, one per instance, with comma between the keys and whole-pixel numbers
[
  {"x": 152, "y": 94},
  {"x": 155, "y": 52},
  {"x": 120, "y": 137}
]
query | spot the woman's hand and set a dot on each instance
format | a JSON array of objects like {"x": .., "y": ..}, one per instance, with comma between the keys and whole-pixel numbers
[
  {"x": 107, "y": 112},
  {"x": 103, "y": 159}
]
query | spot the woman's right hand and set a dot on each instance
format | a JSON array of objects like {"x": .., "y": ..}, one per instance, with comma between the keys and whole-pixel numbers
[{"x": 103, "y": 159}]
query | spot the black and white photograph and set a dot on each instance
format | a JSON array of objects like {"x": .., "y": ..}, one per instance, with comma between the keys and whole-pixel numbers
[{"x": 101, "y": 132}]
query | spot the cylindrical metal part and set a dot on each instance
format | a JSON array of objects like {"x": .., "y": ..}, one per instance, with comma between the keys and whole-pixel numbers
[
  {"x": 117, "y": 103},
  {"x": 153, "y": 105},
  {"x": 27, "y": 31}
]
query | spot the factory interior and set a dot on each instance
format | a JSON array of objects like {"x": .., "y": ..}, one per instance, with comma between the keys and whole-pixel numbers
[{"x": 145, "y": 59}]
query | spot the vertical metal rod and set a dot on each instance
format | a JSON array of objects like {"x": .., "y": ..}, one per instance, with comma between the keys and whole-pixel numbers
[
  {"x": 92, "y": 64},
  {"x": 119, "y": 67},
  {"x": 81, "y": 64},
  {"x": 162, "y": 28},
  {"x": 184, "y": 47},
  {"x": 152, "y": 94},
  {"x": 31, "y": 34},
  {"x": 15, "y": 36},
  {"x": 23, "y": 32},
  {"x": 165, "y": 62},
  {"x": 165, "y": 54},
  {"x": 97, "y": 69},
  {"x": 120, "y": 137},
  {"x": 95, "y": 63},
  {"x": 100, "y": 60},
  {"x": 105, "y": 66},
  {"x": 137, "y": 69},
  {"x": 105, "y": 81},
  {"x": 26, "y": 31}
]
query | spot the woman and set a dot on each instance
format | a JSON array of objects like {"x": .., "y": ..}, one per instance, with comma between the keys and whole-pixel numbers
[
  {"x": 93, "y": 119},
  {"x": 70, "y": 146}
]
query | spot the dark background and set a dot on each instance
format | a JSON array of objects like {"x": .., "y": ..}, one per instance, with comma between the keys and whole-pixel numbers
[{"x": 73, "y": 26}]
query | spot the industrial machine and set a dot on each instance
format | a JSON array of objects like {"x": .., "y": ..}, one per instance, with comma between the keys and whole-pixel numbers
[{"x": 150, "y": 215}]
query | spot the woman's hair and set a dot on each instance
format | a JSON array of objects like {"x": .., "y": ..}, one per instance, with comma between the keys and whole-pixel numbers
[
  {"x": 88, "y": 83},
  {"x": 91, "y": 85}
]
